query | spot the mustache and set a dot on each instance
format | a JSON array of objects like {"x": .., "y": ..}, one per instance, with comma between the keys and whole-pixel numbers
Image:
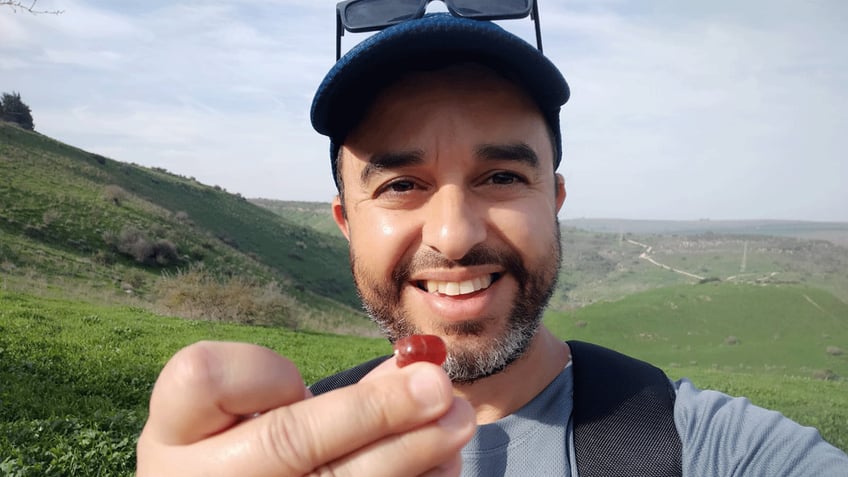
[{"x": 480, "y": 254}]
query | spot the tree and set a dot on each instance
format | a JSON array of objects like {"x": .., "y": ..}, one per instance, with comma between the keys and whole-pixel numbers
[
  {"x": 17, "y": 4},
  {"x": 13, "y": 109}
]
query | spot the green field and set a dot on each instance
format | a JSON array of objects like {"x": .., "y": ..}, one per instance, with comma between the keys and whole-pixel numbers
[
  {"x": 87, "y": 320},
  {"x": 778, "y": 330},
  {"x": 75, "y": 377}
]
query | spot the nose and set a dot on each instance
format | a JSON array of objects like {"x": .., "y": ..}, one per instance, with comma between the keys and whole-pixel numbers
[{"x": 454, "y": 222}]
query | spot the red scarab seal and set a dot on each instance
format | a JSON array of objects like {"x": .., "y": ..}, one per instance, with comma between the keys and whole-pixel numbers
[{"x": 414, "y": 348}]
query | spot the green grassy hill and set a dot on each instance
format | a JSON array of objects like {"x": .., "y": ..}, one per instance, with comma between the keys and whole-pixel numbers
[
  {"x": 75, "y": 378},
  {"x": 83, "y": 224},
  {"x": 599, "y": 266},
  {"x": 316, "y": 215},
  {"x": 93, "y": 253},
  {"x": 782, "y": 330}
]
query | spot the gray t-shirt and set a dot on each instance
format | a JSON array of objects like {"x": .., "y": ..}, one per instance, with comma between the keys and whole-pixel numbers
[{"x": 720, "y": 435}]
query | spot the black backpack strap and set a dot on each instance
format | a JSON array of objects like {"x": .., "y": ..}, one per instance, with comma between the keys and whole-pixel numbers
[
  {"x": 623, "y": 416},
  {"x": 623, "y": 413},
  {"x": 347, "y": 377}
]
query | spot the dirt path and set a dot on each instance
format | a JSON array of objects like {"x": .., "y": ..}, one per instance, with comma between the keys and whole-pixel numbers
[{"x": 645, "y": 256}]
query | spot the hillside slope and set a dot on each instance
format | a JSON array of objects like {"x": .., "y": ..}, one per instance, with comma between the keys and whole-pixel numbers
[
  {"x": 68, "y": 213},
  {"x": 776, "y": 329},
  {"x": 601, "y": 266}
]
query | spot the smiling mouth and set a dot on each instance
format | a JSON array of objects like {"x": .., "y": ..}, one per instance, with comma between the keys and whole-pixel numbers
[{"x": 458, "y": 288}]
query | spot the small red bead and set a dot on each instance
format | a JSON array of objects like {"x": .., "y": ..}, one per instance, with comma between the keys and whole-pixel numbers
[{"x": 414, "y": 348}]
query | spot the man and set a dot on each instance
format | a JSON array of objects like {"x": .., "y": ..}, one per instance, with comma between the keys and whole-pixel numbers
[{"x": 445, "y": 140}]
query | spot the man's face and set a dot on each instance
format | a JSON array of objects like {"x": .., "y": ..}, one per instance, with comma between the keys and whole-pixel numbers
[{"x": 451, "y": 202}]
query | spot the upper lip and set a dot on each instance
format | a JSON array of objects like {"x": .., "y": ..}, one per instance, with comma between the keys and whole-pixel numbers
[{"x": 456, "y": 274}]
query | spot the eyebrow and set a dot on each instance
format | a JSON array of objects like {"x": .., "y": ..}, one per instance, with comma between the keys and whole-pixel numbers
[
  {"x": 390, "y": 160},
  {"x": 519, "y": 152}
]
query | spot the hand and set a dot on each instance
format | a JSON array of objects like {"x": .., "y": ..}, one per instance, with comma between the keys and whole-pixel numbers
[{"x": 396, "y": 422}]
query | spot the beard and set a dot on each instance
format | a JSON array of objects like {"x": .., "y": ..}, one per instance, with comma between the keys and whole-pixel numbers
[{"x": 473, "y": 356}]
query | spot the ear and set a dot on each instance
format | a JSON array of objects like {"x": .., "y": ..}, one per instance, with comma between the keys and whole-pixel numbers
[
  {"x": 339, "y": 217},
  {"x": 560, "y": 191}
]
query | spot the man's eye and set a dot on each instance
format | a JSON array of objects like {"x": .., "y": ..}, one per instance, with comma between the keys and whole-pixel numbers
[
  {"x": 397, "y": 187},
  {"x": 504, "y": 178}
]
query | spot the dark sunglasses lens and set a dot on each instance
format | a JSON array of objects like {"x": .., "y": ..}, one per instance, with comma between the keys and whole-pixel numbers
[
  {"x": 366, "y": 14},
  {"x": 491, "y": 8}
]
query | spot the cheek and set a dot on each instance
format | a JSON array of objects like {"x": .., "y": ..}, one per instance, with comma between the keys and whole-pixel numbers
[
  {"x": 528, "y": 230},
  {"x": 388, "y": 229},
  {"x": 382, "y": 241}
]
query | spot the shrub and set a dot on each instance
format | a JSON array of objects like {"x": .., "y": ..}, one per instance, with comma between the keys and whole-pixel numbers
[
  {"x": 135, "y": 243},
  {"x": 50, "y": 216},
  {"x": 182, "y": 216},
  {"x": 198, "y": 294},
  {"x": 165, "y": 252},
  {"x": 103, "y": 257},
  {"x": 834, "y": 351},
  {"x": 825, "y": 375},
  {"x": 115, "y": 194},
  {"x": 133, "y": 280}
]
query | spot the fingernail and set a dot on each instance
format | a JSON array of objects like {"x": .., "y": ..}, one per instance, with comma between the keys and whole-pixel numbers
[{"x": 426, "y": 390}]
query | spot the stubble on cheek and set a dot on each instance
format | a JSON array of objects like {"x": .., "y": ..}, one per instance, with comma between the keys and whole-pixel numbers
[{"x": 381, "y": 299}]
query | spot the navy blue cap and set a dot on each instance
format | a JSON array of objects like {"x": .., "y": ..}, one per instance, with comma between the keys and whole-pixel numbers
[{"x": 434, "y": 41}]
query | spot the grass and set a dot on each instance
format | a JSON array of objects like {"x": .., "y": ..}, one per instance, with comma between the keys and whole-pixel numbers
[
  {"x": 779, "y": 329},
  {"x": 75, "y": 379},
  {"x": 59, "y": 197},
  {"x": 75, "y": 376}
]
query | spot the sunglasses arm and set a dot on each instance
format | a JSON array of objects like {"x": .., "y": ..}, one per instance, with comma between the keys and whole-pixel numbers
[
  {"x": 535, "y": 16},
  {"x": 339, "y": 35}
]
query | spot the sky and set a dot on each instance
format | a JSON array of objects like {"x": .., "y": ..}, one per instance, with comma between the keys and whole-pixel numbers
[{"x": 713, "y": 109}]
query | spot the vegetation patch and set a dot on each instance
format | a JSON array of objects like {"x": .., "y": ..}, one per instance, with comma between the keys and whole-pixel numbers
[
  {"x": 75, "y": 378},
  {"x": 197, "y": 294},
  {"x": 773, "y": 329}
]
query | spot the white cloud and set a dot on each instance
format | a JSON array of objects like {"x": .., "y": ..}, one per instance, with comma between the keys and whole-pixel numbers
[
  {"x": 704, "y": 115},
  {"x": 678, "y": 110}
]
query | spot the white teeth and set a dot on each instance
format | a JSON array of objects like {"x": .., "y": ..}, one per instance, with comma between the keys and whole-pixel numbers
[
  {"x": 466, "y": 287},
  {"x": 459, "y": 288}
]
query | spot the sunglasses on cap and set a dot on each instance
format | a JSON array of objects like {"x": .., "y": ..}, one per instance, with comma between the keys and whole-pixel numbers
[{"x": 358, "y": 16}]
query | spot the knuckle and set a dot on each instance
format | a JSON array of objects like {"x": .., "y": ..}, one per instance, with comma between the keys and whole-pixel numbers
[
  {"x": 288, "y": 442},
  {"x": 378, "y": 405},
  {"x": 194, "y": 367}
]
